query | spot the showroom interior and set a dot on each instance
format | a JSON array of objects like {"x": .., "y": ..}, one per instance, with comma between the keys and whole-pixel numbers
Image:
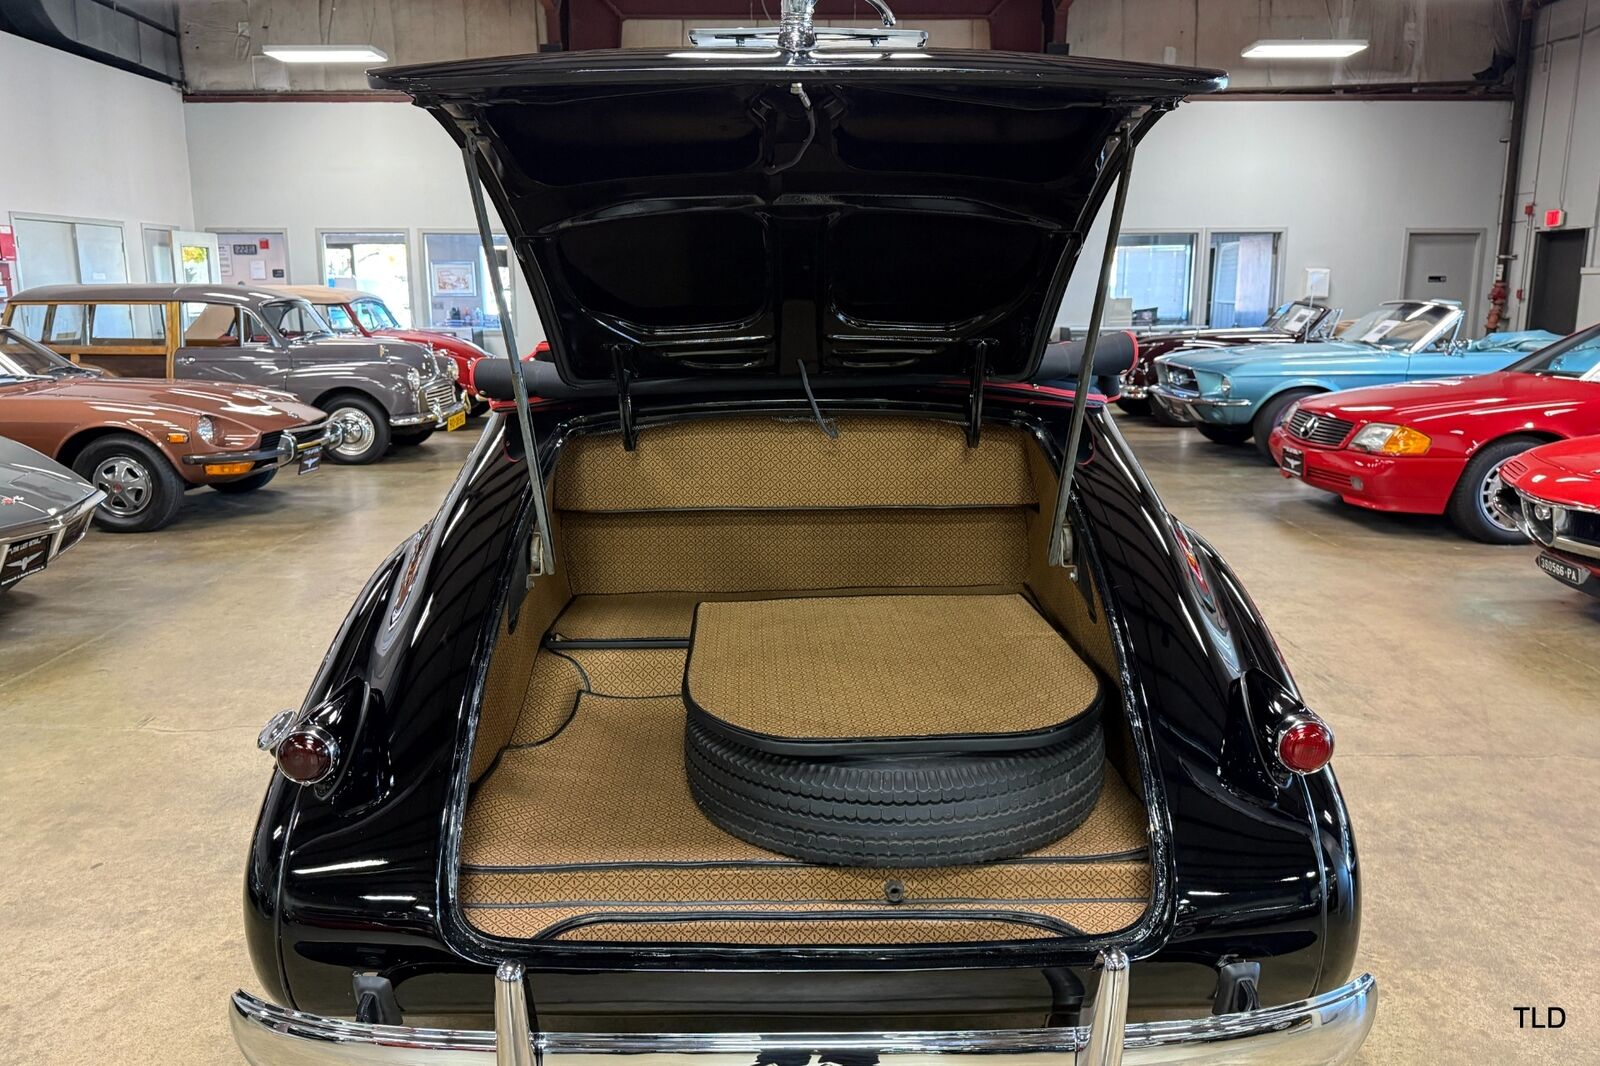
[{"x": 266, "y": 330}]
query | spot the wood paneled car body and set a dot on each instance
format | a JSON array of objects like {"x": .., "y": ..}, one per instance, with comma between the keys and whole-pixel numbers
[
  {"x": 796, "y": 298},
  {"x": 376, "y": 392}
]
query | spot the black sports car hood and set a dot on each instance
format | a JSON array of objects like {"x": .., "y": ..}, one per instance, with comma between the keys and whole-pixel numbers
[{"x": 742, "y": 212}]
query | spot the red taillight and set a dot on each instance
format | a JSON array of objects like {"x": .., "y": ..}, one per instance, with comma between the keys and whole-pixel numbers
[
  {"x": 1305, "y": 747},
  {"x": 306, "y": 756}
]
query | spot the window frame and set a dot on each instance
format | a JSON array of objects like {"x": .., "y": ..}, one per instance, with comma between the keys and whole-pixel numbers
[
  {"x": 21, "y": 281},
  {"x": 407, "y": 238},
  {"x": 1280, "y": 294},
  {"x": 510, "y": 311},
  {"x": 1195, "y": 270}
]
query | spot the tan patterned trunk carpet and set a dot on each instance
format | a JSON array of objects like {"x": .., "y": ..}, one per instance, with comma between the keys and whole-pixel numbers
[
  {"x": 861, "y": 667},
  {"x": 585, "y": 830}
]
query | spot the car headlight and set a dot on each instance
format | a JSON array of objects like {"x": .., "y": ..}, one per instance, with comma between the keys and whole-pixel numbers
[
  {"x": 1290, "y": 413},
  {"x": 206, "y": 430},
  {"x": 1386, "y": 439},
  {"x": 413, "y": 378}
]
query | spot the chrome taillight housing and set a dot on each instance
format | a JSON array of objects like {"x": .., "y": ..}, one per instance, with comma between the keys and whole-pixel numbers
[
  {"x": 306, "y": 753},
  {"x": 1304, "y": 744}
]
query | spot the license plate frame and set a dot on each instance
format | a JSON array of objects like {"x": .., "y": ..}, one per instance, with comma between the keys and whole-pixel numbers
[
  {"x": 1562, "y": 571},
  {"x": 455, "y": 421},
  {"x": 30, "y": 564},
  {"x": 310, "y": 460},
  {"x": 1293, "y": 462}
]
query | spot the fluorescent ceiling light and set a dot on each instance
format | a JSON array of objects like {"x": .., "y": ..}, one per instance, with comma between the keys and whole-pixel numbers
[
  {"x": 1303, "y": 49},
  {"x": 325, "y": 53}
]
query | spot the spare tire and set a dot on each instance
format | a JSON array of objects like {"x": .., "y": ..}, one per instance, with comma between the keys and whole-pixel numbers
[{"x": 897, "y": 810}]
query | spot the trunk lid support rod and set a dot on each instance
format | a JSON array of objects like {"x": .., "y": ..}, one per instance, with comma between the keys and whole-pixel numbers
[
  {"x": 1109, "y": 1019},
  {"x": 541, "y": 552},
  {"x": 624, "y": 375},
  {"x": 980, "y": 372},
  {"x": 1061, "y": 547}
]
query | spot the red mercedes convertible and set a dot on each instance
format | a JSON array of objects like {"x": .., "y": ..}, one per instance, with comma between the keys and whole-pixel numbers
[
  {"x": 1437, "y": 447},
  {"x": 1553, "y": 492}
]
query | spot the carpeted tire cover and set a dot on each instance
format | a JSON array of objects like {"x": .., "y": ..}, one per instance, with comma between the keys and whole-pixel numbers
[{"x": 935, "y": 809}]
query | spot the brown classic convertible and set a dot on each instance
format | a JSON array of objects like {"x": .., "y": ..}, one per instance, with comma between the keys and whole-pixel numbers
[{"x": 145, "y": 442}]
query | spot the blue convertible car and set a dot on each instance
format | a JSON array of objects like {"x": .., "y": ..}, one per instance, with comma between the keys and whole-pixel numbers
[{"x": 1234, "y": 394}]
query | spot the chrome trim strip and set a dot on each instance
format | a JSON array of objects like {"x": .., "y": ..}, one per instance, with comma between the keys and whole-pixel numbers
[
  {"x": 512, "y": 1042},
  {"x": 1325, "y": 1030},
  {"x": 1108, "y": 1023},
  {"x": 1194, "y": 399},
  {"x": 57, "y": 523}
]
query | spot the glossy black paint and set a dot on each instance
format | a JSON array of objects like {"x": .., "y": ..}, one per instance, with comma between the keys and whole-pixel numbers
[
  {"x": 858, "y": 212},
  {"x": 361, "y": 878}
]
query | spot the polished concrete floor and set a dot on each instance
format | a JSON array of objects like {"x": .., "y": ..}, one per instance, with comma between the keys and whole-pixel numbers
[{"x": 134, "y": 674}]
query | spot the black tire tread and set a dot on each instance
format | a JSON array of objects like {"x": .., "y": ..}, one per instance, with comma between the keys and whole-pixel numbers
[{"x": 922, "y": 811}]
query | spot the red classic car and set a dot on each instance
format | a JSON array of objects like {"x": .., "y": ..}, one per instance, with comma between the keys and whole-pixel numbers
[
  {"x": 1553, "y": 492},
  {"x": 1436, "y": 447},
  {"x": 351, "y": 312}
]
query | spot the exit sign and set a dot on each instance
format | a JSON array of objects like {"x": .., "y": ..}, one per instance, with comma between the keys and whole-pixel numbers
[{"x": 1555, "y": 218}]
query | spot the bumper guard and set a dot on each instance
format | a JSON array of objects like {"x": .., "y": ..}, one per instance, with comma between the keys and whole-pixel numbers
[{"x": 1323, "y": 1031}]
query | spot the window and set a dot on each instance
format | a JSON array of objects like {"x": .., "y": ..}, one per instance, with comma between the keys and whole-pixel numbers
[
  {"x": 374, "y": 315},
  {"x": 1155, "y": 271},
  {"x": 127, "y": 325},
  {"x": 52, "y": 252},
  {"x": 210, "y": 326},
  {"x": 294, "y": 318},
  {"x": 460, "y": 290},
  {"x": 339, "y": 319},
  {"x": 1244, "y": 278},
  {"x": 66, "y": 325},
  {"x": 372, "y": 262},
  {"x": 158, "y": 254}
]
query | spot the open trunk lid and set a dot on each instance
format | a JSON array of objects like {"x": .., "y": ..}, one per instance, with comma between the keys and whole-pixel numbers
[{"x": 759, "y": 212}]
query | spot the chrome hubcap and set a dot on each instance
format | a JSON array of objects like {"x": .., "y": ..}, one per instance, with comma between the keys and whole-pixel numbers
[
  {"x": 356, "y": 431},
  {"x": 1486, "y": 501},
  {"x": 126, "y": 483}
]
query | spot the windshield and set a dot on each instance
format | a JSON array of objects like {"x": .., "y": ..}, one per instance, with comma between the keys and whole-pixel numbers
[
  {"x": 1577, "y": 356},
  {"x": 293, "y": 319},
  {"x": 1294, "y": 317},
  {"x": 338, "y": 316},
  {"x": 374, "y": 314},
  {"x": 1396, "y": 326},
  {"x": 22, "y": 358}
]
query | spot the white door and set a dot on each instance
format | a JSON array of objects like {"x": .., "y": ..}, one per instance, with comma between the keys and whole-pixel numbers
[{"x": 195, "y": 260}]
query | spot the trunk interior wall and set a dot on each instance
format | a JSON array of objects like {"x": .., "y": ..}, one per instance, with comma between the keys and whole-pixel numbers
[{"x": 577, "y": 760}]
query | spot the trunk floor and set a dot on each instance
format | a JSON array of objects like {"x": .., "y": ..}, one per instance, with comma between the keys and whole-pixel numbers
[{"x": 585, "y": 829}]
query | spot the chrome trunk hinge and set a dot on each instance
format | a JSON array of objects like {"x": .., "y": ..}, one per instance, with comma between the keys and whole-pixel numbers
[
  {"x": 980, "y": 372},
  {"x": 1061, "y": 549},
  {"x": 513, "y": 1039},
  {"x": 541, "y": 550},
  {"x": 624, "y": 376},
  {"x": 1110, "y": 1014}
]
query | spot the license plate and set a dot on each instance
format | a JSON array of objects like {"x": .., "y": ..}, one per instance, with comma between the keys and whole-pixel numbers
[
  {"x": 455, "y": 421},
  {"x": 1294, "y": 462},
  {"x": 310, "y": 459},
  {"x": 25, "y": 557},
  {"x": 1562, "y": 570}
]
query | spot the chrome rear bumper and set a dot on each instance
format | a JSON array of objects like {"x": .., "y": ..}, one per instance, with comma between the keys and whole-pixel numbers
[{"x": 1323, "y": 1031}]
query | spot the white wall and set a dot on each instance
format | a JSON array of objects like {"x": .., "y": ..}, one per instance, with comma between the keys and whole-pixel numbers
[
  {"x": 83, "y": 140},
  {"x": 302, "y": 167},
  {"x": 1560, "y": 165},
  {"x": 1343, "y": 179}
]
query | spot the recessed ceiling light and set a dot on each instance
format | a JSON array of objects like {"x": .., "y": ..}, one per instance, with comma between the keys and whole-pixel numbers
[
  {"x": 1303, "y": 49},
  {"x": 325, "y": 53}
]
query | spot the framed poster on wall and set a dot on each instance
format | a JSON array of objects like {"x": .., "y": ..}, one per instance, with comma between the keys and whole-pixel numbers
[{"x": 454, "y": 279}]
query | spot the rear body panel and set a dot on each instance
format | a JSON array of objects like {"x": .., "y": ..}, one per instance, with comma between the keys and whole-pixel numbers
[{"x": 362, "y": 877}]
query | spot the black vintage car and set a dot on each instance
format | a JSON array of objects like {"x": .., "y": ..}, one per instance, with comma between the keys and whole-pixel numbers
[{"x": 798, "y": 701}]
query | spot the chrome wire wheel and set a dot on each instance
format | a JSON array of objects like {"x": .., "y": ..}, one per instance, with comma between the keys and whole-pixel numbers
[
  {"x": 126, "y": 483},
  {"x": 357, "y": 432},
  {"x": 1488, "y": 491}
]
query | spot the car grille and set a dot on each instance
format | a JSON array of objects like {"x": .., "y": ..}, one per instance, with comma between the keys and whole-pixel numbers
[
  {"x": 440, "y": 393},
  {"x": 1320, "y": 429},
  {"x": 1327, "y": 479},
  {"x": 269, "y": 440},
  {"x": 1584, "y": 526}
]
